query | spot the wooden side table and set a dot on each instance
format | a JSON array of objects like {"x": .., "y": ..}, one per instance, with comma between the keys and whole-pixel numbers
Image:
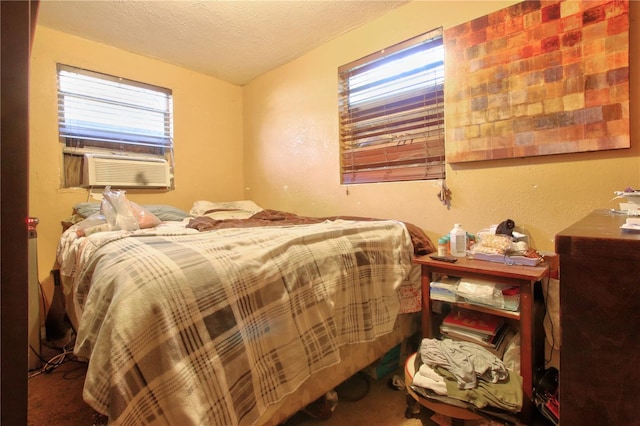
[{"x": 528, "y": 319}]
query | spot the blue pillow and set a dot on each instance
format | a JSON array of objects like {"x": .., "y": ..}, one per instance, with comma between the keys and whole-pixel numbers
[
  {"x": 86, "y": 209},
  {"x": 166, "y": 212},
  {"x": 161, "y": 211}
]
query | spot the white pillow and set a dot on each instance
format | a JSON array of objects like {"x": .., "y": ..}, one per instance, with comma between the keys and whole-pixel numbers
[
  {"x": 200, "y": 208},
  {"x": 229, "y": 214}
]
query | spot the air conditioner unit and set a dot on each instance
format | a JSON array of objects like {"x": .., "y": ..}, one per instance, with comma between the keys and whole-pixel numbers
[{"x": 130, "y": 172}]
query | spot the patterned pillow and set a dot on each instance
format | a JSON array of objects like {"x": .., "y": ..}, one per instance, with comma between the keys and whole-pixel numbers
[
  {"x": 200, "y": 208},
  {"x": 163, "y": 212},
  {"x": 86, "y": 209}
]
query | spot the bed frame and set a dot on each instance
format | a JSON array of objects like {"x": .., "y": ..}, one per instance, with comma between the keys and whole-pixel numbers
[{"x": 177, "y": 357}]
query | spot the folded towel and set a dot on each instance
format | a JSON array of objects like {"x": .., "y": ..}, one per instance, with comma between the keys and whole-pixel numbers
[
  {"x": 427, "y": 371},
  {"x": 428, "y": 383}
]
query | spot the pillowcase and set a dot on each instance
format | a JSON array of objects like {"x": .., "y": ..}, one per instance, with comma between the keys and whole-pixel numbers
[
  {"x": 85, "y": 210},
  {"x": 228, "y": 214},
  {"x": 163, "y": 212},
  {"x": 200, "y": 208}
]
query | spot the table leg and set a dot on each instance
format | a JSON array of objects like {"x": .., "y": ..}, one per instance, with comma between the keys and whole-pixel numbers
[{"x": 411, "y": 403}]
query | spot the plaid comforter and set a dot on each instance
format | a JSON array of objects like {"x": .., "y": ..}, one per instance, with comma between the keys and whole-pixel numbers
[{"x": 211, "y": 328}]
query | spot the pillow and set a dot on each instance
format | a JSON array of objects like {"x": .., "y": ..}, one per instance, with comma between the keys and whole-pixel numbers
[
  {"x": 228, "y": 214},
  {"x": 85, "y": 210},
  {"x": 200, "y": 208},
  {"x": 163, "y": 212}
]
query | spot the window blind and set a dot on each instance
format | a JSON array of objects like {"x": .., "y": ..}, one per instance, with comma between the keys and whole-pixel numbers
[
  {"x": 391, "y": 108},
  {"x": 96, "y": 109}
]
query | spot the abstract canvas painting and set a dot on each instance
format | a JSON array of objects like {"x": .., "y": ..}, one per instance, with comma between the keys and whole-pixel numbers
[{"x": 538, "y": 78}]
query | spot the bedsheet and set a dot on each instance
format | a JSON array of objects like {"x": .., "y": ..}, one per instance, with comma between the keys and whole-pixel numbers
[{"x": 211, "y": 328}]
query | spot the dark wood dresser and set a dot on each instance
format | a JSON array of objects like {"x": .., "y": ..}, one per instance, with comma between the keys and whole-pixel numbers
[{"x": 600, "y": 317}]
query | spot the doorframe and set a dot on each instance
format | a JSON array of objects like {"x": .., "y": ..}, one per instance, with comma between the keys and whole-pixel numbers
[{"x": 17, "y": 20}]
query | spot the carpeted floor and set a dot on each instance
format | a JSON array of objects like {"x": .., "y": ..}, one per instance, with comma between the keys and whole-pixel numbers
[{"x": 55, "y": 399}]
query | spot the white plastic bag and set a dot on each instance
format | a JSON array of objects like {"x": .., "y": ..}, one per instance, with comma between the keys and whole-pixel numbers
[
  {"x": 122, "y": 214},
  {"x": 117, "y": 211}
]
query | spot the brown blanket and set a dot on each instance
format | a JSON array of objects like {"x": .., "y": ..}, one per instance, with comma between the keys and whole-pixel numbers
[{"x": 422, "y": 244}]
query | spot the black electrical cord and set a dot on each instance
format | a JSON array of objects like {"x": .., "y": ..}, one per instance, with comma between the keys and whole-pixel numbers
[{"x": 65, "y": 355}]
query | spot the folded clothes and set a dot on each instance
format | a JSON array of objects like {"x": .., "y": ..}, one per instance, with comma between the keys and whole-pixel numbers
[
  {"x": 429, "y": 379},
  {"x": 506, "y": 395},
  {"x": 467, "y": 361}
]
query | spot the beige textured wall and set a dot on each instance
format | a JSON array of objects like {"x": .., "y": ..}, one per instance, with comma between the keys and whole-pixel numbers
[
  {"x": 288, "y": 121},
  {"x": 207, "y": 133},
  {"x": 291, "y": 147}
]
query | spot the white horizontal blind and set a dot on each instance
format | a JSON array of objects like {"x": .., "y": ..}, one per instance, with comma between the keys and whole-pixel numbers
[
  {"x": 392, "y": 113},
  {"x": 96, "y": 109}
]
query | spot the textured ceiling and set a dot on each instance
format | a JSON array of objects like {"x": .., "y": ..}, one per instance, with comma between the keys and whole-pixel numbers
[{"x": 235, "y": 41}]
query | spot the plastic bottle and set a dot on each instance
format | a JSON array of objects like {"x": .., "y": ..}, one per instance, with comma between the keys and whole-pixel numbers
[
  {"x": 443, "y": 246},
  {"x": 471, "y": 240},
  {"x": 458, "y": 241}
]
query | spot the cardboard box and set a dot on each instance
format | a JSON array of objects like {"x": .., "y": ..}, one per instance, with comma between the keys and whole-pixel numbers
[{"x": 387, "y": 364}]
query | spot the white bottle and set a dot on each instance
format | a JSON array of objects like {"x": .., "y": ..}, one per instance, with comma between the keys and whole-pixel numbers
[{"x": 458, "y": 241}]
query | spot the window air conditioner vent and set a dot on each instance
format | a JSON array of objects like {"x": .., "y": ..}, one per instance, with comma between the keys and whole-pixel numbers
[{"x": 102, "y": 170}]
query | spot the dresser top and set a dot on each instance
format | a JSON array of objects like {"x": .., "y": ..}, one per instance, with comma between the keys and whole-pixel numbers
[
  {"x": 601, "y": 231},
  {"x": 601, "y": 224}
]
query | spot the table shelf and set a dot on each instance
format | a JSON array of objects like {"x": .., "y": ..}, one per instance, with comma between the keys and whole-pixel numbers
[{"x": 529, "y": 319}]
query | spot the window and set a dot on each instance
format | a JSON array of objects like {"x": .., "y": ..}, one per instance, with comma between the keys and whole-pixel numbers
[
  {"x": 392, "y": 113},
  {"x": 103, "y": 114}
]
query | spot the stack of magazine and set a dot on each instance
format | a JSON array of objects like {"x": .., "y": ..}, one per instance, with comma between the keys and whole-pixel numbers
[
  {"x": 489, "y": 331},
  {"x": 489, "y": 293},
  {"x": 444, "y": 289}
]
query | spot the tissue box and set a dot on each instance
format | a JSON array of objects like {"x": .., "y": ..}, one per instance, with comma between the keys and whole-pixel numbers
[{"x": 507, "y": 259}]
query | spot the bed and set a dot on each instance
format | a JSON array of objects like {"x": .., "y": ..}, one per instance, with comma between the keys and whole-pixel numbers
[{"x": 235, "y": 315}]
